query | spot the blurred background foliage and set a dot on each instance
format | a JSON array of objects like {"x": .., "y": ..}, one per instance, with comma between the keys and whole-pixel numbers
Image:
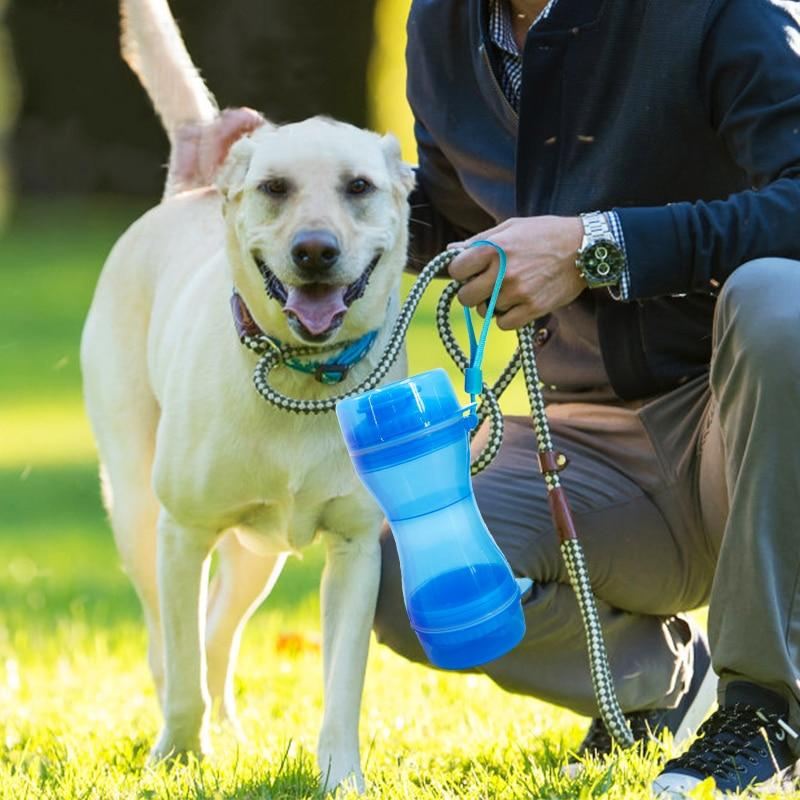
[{"x": 84, "y": 125}]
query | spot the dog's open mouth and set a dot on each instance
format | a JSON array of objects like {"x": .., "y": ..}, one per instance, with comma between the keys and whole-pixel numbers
[{"x": 315, "y": 310}]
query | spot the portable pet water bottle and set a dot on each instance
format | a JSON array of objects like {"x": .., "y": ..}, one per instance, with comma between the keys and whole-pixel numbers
[{"x": 409, "y": 444}]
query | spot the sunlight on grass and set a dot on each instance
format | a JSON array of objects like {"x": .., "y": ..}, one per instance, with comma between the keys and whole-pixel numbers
[{"x": 81, "y": 722}]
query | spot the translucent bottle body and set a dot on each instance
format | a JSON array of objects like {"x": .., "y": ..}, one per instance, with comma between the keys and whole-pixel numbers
[{"x": 411, "y": 450}]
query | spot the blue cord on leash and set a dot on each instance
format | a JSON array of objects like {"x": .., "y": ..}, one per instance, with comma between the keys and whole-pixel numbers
[{"x": 473, "y": 375}]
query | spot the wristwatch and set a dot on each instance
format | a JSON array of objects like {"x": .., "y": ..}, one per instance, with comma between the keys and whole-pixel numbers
[{"x": 600, "y": 260}]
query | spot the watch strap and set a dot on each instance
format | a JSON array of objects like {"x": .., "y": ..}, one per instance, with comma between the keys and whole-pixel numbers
[{"x": 595, "y": 227}]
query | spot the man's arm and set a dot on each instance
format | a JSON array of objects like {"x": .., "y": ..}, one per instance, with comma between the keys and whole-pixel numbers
[{"x": 750, "y": 77}]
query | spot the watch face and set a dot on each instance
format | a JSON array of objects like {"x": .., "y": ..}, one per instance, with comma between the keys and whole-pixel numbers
[{"x": 602, "y": 263}]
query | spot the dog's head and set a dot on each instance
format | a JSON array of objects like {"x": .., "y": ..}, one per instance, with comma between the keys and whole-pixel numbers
[{"x": 316, "y": 215}]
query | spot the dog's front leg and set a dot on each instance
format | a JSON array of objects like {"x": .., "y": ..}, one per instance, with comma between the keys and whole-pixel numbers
[
  {"x": 349, "y": 592},
  {"x": 183, "y": 560}
]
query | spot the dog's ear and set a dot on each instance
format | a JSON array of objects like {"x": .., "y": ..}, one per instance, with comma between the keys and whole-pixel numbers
[
  {"x": 231, "y": 174},
  {"x": 401, "y": 172}
]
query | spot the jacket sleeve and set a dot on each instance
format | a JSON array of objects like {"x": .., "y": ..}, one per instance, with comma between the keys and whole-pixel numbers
[
  {"x": 750, "y": 79},
  {"x": 441, "y": 211}
]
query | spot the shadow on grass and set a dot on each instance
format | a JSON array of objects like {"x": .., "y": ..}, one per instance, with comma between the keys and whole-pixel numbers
[{"x": 58, "y": 559}]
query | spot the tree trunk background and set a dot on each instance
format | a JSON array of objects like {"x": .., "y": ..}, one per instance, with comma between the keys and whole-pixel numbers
[{"x": 86, "y": 125}]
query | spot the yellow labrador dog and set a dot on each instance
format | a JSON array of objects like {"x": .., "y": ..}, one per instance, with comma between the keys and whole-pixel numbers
[{"x": 307, "y": 224}]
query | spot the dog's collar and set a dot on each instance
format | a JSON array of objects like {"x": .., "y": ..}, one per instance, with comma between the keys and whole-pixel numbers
[{"x": 334, "y": 370}]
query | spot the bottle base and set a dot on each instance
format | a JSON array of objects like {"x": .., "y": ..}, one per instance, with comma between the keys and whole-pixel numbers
[{"x": 477, "y": 644}]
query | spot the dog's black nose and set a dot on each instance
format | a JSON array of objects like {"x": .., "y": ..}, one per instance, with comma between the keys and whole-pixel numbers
[{"x": 315, "y": 251}]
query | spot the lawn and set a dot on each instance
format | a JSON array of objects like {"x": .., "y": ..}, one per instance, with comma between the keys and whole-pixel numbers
[{"x": 77, "y": 710}]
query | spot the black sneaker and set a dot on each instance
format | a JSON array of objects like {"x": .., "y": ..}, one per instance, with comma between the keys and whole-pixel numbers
[
  {"x": 681, "y": 721},
  {"x": 743, "y": 744}
]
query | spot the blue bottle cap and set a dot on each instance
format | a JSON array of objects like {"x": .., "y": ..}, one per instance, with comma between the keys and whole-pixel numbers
[{"x": 399, "y": 411}]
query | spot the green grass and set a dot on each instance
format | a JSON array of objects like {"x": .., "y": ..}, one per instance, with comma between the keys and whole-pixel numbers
[{"x": 77, "y": 710}]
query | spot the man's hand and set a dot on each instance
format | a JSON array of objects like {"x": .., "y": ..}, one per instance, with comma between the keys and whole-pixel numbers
[
  {"x": 198, "y": 149},
  {"x": 540, "y": 275}
]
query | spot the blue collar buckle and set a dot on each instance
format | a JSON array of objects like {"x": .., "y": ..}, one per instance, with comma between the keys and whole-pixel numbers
[{"x": 331, "y": 373}]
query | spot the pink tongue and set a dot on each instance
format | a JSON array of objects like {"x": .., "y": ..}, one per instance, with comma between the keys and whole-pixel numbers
[{"x": 316, "y": 306}]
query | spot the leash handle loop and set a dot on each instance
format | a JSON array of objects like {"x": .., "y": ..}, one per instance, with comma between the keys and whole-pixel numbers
[{"x": 473, "y": 375}]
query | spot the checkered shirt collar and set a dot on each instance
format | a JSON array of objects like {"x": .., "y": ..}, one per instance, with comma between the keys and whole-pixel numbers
[{"x": 500, "y": 29}]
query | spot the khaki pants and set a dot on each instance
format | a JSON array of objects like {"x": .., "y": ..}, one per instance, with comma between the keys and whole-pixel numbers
[{"x": 692, "y": 498}]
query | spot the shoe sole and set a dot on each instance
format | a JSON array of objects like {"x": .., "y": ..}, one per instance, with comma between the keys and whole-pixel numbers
[{"x": 678, "y": 786}]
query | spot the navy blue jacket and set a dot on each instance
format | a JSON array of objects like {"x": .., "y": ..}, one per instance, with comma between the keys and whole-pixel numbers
[{"x": 683, "y": 115}]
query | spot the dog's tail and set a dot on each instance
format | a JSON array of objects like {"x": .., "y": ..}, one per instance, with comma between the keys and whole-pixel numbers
[{"x": 153, "y": 48}]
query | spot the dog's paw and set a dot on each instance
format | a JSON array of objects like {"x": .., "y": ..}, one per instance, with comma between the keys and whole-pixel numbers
[
  {"x": 199, "y": 149},
  {"x": 340, "y": 772},
  {"x": 228, "y": 724},
  {"x": 172, "y": 748}
]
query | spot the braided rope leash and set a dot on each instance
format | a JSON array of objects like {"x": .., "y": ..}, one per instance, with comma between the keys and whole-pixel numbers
[{"x": 550, "y": 462}]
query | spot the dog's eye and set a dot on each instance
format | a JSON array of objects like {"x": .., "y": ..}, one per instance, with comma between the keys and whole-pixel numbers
[
  {"x": 358, "y": 186},
  {"x": 276, "y": 187}
]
